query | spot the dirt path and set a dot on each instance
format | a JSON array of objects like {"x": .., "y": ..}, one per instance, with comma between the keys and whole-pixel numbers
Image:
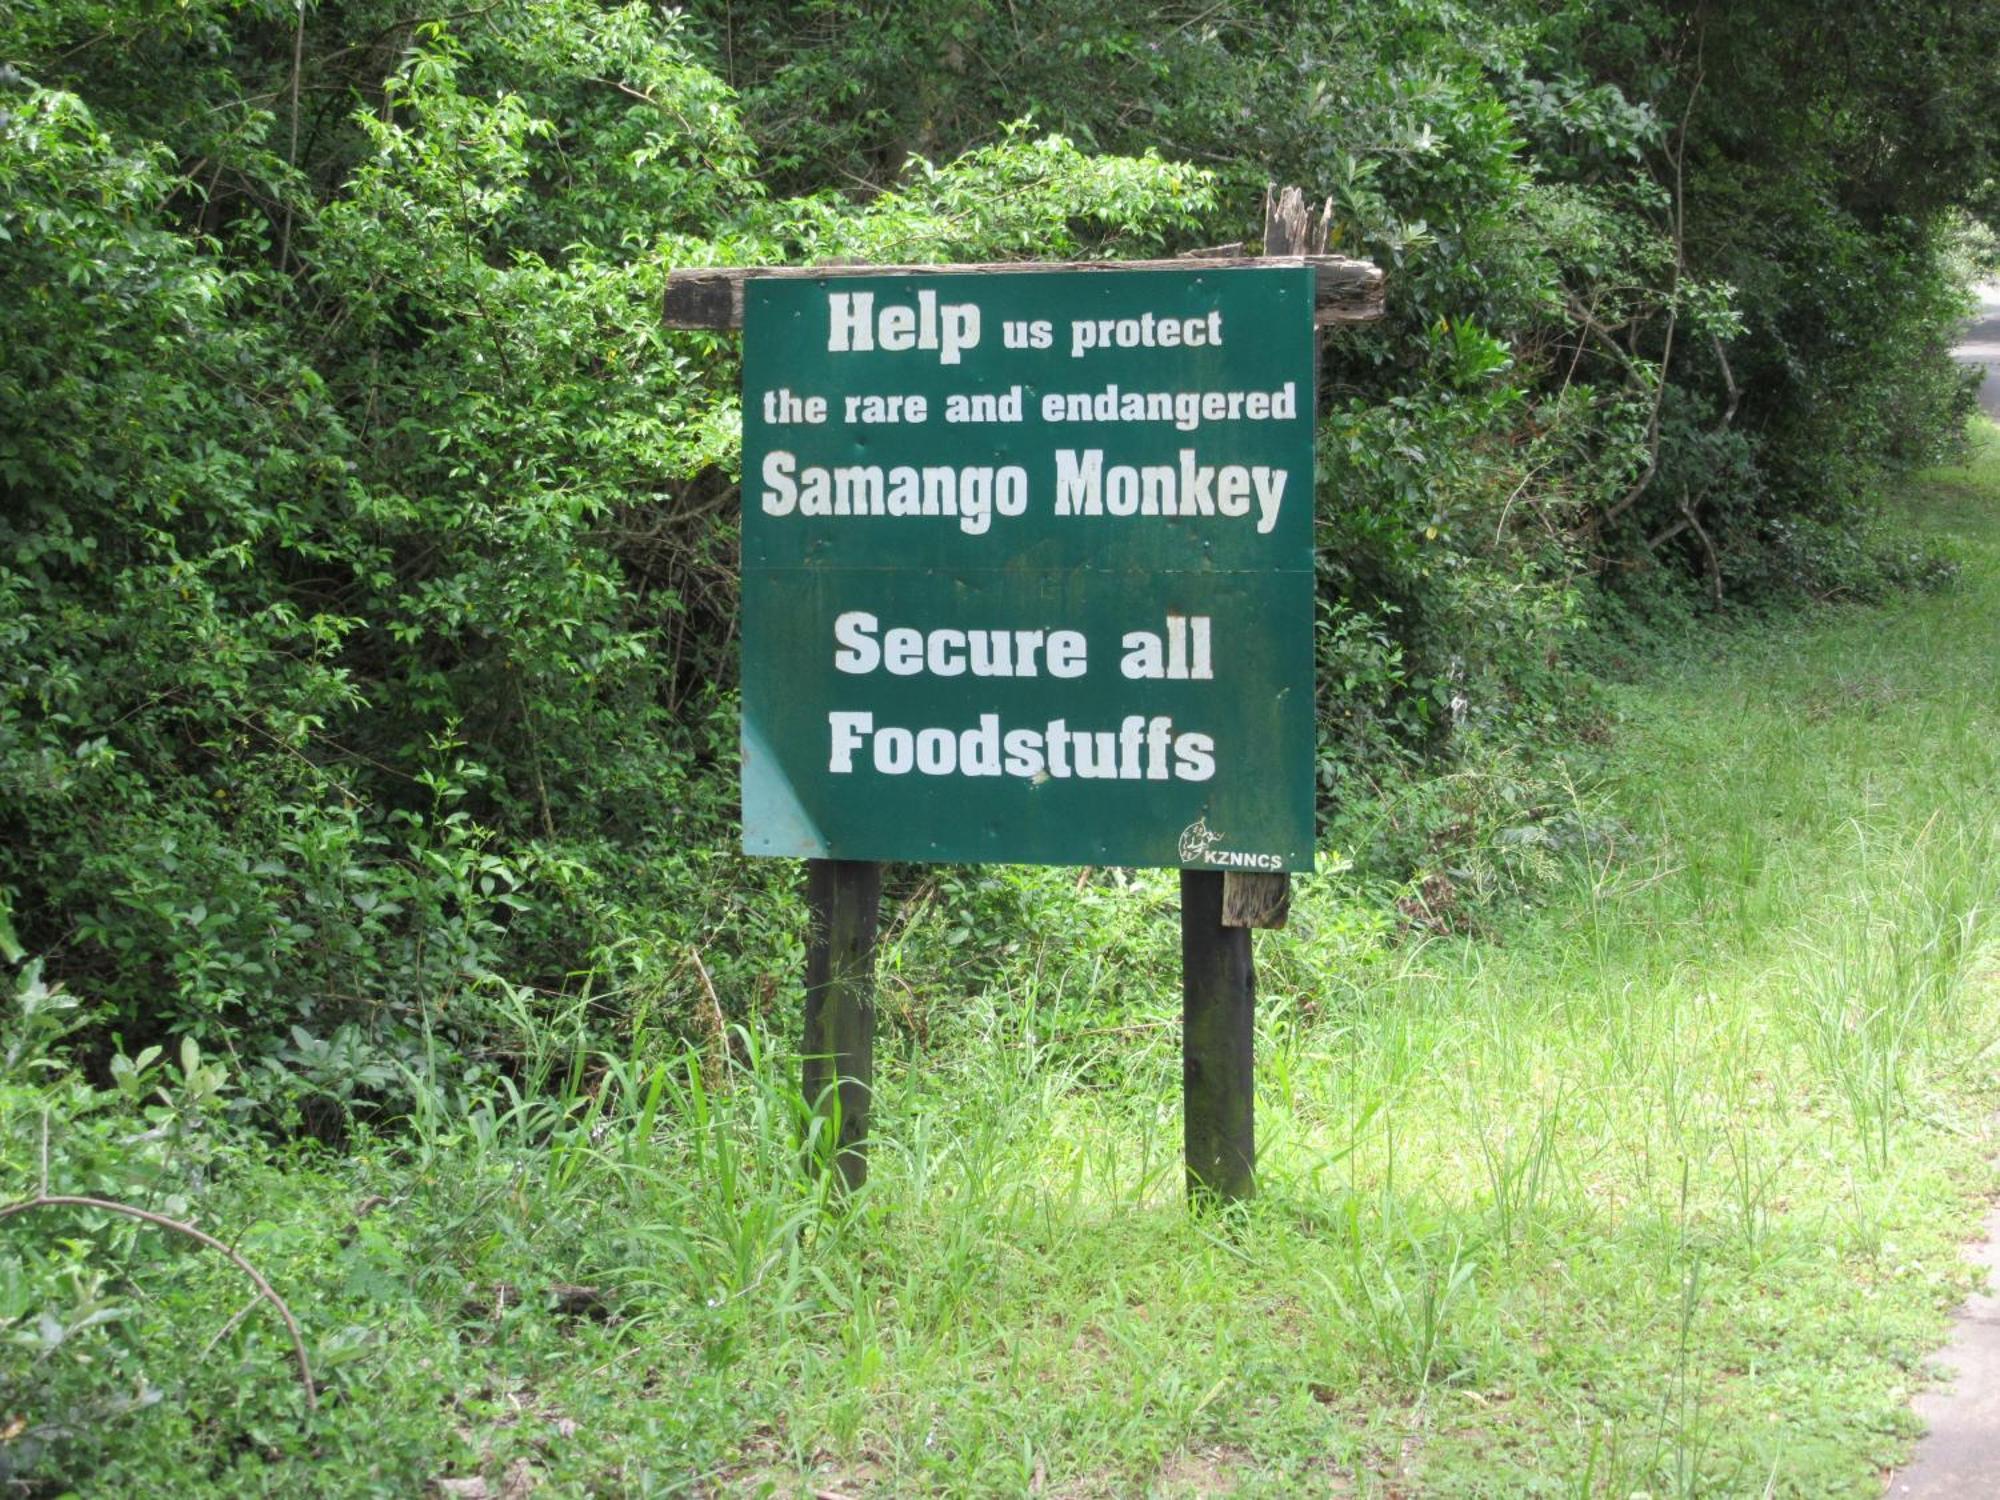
[
  {"x": 1960, "y": 1452},
  {"x": 1982, "y": 346}
]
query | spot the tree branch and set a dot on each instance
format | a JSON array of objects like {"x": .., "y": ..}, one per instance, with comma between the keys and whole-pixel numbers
[{"x": 60, "y": 1200}]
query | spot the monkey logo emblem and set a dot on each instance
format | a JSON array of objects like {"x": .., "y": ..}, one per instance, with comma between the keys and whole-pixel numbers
[{"x": 1198, "y": 842}]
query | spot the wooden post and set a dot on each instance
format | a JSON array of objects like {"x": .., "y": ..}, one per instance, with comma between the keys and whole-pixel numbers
[
  {"x": 1218, "y": 910},
  {"x": 844, "y": 897},
  {"x": 1218, "y": 1034}
]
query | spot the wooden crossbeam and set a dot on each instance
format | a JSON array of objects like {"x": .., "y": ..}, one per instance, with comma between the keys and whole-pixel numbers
[{"x": 1349, "y": 291}]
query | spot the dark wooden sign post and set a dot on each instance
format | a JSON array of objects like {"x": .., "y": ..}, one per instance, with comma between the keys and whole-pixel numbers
[
  {"x": 844, "y": 903},
  {"x": 1219, "y": 906}
]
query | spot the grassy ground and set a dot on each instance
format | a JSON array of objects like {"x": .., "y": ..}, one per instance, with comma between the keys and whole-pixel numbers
[{"x": 1657, "y": 1190}]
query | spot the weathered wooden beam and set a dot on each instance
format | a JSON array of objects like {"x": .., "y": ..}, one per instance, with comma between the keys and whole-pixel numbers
[
  {"x": 1218, "y": 1046},
  {"x": 1349, "y": 291},
  {"x": 1250, "y": 899},
  {"x": 844, "y": 900},
  {"x": 1291, "y": 228}
]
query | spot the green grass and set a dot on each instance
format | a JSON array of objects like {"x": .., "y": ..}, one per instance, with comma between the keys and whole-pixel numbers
[{"x": 1656, "y": 1189}]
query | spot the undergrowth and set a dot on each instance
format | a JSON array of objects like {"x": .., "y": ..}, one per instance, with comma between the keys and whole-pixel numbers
[{"x": 1655, "y": 1186}]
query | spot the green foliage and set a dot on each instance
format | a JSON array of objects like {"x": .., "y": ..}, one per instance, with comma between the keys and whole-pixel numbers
[
  {"x": 366, "y": 566},
  {"x": 369, "y": 551},
  {"x": 1528, "y": 1207},
  {"x": 367, "y": 555}
]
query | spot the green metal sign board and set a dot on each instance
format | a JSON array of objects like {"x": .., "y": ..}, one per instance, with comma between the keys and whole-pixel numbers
[{"x": 1027, "y": 567}]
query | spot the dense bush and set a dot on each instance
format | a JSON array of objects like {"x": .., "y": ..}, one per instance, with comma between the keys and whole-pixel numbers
[{"x": 367, "y": 548}]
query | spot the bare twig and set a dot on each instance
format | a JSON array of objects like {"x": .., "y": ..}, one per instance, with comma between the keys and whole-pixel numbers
[
  {"x": 717, "y": 1023},
  {"x": 1728, "y": 379},
  {"x": 1569, "y": 375},
  {"x": 1500, "y": 528},
  {"x": 1135, "y": 1028},
  {"x": 686, "y": 125},
  {"x": 534, "y": 756},
  {"x": 224, "y": 1331},
  {"x": 1679, "y": 159},
  {"x": 292, "y": 156},
  {"x": 1707, "y": 546},
  {"x": 1654, "y": 544},
  {"x": 146, "y": 1216}
]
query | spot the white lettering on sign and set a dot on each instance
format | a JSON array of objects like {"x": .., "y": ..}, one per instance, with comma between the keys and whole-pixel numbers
[
  {"x": 984, "y": 406},
  {"x": 1141, "y": 748},
  {"x": 874, "y": 411},
  {"x": 1187, "y": 410},
  {"x": 974, "y": 495},
  {"x": 1144, "y": 332},
  {"x": 1148, "y": 658},
  {"x": 856, "y": 326},
  {"x": 1200, "y": 845},
  {"x": 1085, "y": 487},
  {"x": 951, "y": 652},
  {"x": 782, "y": 408}
]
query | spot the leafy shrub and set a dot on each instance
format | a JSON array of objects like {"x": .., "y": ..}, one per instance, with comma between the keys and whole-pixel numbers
[{"x": 372, "y": 563}]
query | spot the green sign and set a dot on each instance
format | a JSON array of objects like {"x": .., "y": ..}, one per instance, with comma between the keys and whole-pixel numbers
[{"x": 1027, "y": 567}]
